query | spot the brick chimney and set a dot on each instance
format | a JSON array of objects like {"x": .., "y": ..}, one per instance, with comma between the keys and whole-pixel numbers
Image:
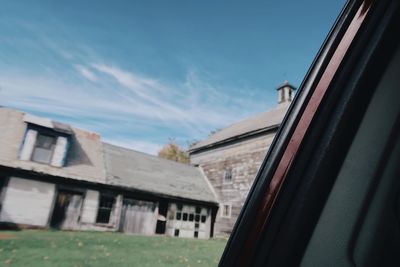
[{"x": 285, "y": 93}]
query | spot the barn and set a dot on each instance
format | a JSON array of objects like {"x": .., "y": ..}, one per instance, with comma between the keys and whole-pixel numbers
[
  {"x": 56, "y": 176},
  {"x": 231, "y": 157}
]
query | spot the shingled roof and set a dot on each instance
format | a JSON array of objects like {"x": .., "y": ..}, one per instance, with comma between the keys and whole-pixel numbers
[
  {"x": 85, "y": 161},
  {"x": 261, "y": 122},
  {"x": 89, "y": 159},
  {"x": 137, "y": 170}
]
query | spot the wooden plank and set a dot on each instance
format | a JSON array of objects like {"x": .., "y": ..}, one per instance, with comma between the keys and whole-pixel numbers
[{"x": 139, "y": 217}]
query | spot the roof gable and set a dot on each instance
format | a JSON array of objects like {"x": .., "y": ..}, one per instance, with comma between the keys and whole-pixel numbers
[{"x": 253, "y": 125}]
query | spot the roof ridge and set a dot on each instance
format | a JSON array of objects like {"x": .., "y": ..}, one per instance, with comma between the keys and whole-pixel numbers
[
  {"x": 248, "y": 125},
  {"x": 149, "y": 155}
]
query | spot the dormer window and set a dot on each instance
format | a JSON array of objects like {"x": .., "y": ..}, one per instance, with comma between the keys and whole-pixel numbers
[
  {"x": 44, "y": 148},
  {"x": 45, "y": 141}
]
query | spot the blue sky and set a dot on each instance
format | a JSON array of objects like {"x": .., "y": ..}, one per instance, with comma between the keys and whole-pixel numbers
[{"x": 141, "y": 72}]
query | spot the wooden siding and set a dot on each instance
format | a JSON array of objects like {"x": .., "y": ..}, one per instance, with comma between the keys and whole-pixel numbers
[
  {"x": 66, "y": 211},
  {"x": 34, "y": 203},
  {"x": 139, "y": 217},
  {"x": 90, "y": 205},
  {"x": 27, "y": 202}
]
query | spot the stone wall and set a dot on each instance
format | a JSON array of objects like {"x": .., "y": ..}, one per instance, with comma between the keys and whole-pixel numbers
[{"x": 244, "y": 159}]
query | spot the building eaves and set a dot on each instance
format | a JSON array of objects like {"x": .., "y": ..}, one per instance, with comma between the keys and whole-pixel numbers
[
  {"x": 48, "y": 123},
  {"x": 260, "y": 123},
  {"x": 140, "y": 171},
  {"x": 234, "y": 139}
]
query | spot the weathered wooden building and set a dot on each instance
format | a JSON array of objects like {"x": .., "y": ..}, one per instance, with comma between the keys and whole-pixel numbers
[
  {"x": 54, "y": 175},
  {"x": 231, "y": 157}
]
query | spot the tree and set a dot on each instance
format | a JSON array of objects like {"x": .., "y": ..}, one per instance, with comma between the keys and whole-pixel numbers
[
  {"x": 192, "y": 142},
  {"x": 173, "y": 151}
]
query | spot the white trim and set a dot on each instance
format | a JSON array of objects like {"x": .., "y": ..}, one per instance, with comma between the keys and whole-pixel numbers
[
  {"x": 41, "y": 121},
  {"x": 59, "y": 152},
  {"x": 222, "y": 208},
  {"x": 209, "y": 183},
  {"x": 28, "y": 144}
]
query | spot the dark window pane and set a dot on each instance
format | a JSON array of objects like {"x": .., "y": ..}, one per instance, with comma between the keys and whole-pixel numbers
[
  {"x": 105, "y": 208},
  {"x": 203, "y": 218},
  {"x": 178, "y": 216},
  {"x": 197, "y": 218},
  {"x": 226, "y": 211},
  {"x": 176, "y": 233},
  {"x": 191, "y": 217},
  {"x": 45, "y": 141},
  {"x": 43, "y": 149},
  {"x": 185, "y": 216},
  {"x": 228, "y": 175}
]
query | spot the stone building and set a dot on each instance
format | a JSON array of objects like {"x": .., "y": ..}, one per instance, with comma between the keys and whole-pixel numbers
[
  {"x": 54, "y": 175},
  {"x": 231, "y": 157}
]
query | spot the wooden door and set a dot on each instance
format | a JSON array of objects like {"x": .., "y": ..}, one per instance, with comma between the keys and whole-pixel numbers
[
  {"x": 67, "y": 210},
  {"x": 72, "y": 213},
  {"x": 138, "y": 217}
]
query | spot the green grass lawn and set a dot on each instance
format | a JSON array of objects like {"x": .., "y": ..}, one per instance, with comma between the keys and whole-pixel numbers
[{"x": 57, "y": 248}]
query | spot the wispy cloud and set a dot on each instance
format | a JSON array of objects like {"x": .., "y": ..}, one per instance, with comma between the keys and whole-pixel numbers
[
  {"x": 51, "y": 70},
  {"x": 86, "y": 72},
  {"x": 125, "y": 106},
  {"x": 128, "y": 79},
  {"x": 130, "y": 110}
]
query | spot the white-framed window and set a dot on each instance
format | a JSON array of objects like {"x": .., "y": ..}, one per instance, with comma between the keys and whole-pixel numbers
[
  {"x": 226, "y": 210},
  {"x": 228, "y": 176},
  {"x": 44, "y": 146}
]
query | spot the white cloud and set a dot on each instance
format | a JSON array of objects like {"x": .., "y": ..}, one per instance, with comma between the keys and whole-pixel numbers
[
  {"x": 86, "y": 72},
  {"x": 129, "y": 103},
  {"x": 127, "y": 79},
  {"x": 116, "y": 99},
  {"x": 173, "y": 103}
]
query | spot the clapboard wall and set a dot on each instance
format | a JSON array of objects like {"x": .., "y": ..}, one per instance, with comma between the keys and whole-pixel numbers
[{"x": 26, "y": 202}]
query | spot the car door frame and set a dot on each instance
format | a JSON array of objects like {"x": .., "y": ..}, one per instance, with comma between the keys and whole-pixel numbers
[{"x": 280, "y": 208}]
